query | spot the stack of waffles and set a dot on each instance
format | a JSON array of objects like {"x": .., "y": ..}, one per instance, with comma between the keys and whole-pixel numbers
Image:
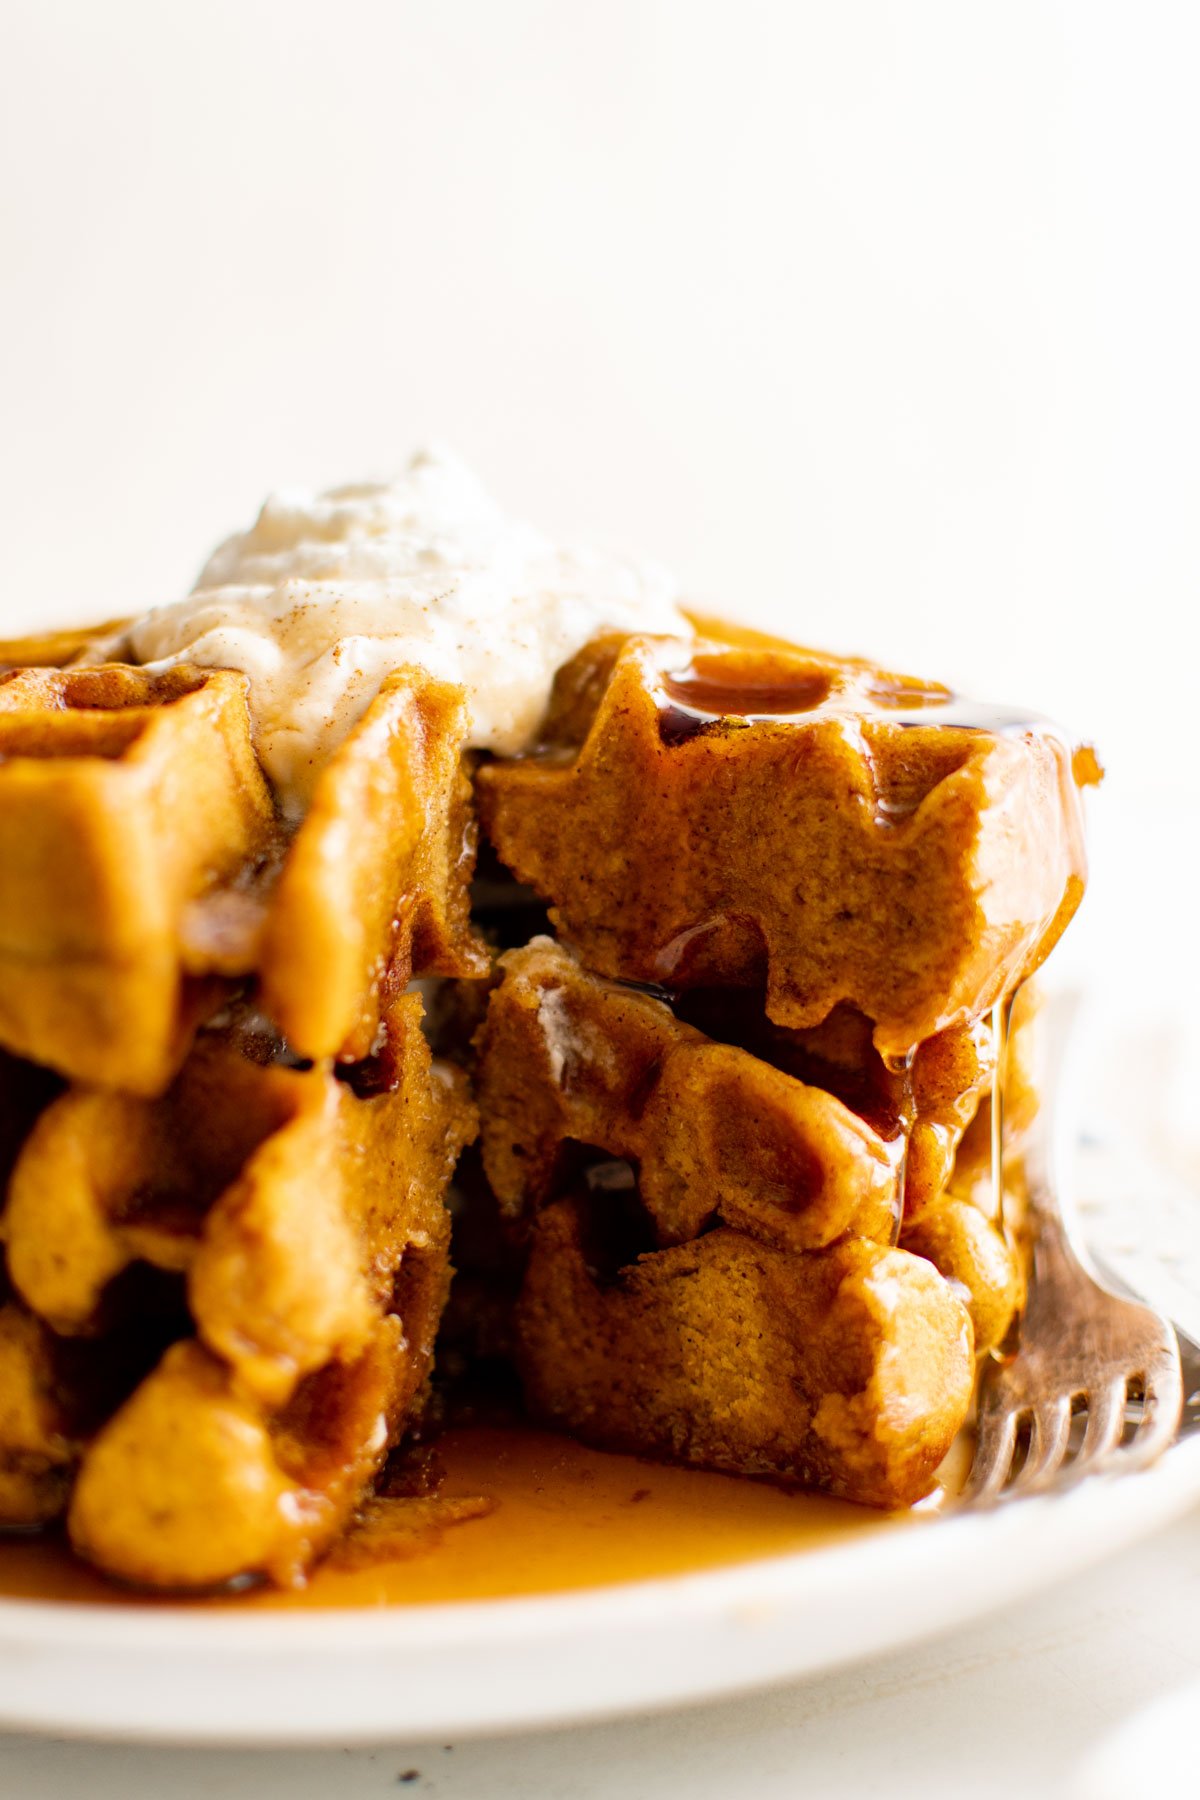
[
  {"x": 226, "y": 1144},
  {"x": 730, "y": 1018}
]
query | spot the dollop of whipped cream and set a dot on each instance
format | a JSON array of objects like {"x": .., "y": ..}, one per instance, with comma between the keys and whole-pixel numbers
[{"x": 328, "y": 594}]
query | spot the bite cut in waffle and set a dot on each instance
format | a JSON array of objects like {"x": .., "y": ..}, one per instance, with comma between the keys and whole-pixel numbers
[
  {"x": 568, "y": 1059},
  {"x": 704, "y": 1226},
  {"x": 728, "y": 1133},
  {"x": 729, "y": 1014},
  {"x": 848, "y": 1368}
]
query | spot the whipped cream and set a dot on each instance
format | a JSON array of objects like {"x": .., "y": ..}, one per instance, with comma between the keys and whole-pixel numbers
[{"x": 328, "y": 594}]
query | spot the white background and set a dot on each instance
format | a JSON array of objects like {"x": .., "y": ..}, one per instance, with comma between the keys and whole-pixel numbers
[{"x": 879, "y": 322}]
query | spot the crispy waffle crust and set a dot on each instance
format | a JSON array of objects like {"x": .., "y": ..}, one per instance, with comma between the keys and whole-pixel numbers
[
  {"x": 715, "y": 816},
  {"x": 307, "y": 1227}
]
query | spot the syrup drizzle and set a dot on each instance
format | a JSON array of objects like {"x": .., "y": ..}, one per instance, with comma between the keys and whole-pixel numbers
[
  {"x": 713, "y": 691},
  {"x": 757, "y": 679},
  {"x": 721, "y": 685},
  {"x": 1000, "y": 1020},
  {"x": 899, "y": 1140}
]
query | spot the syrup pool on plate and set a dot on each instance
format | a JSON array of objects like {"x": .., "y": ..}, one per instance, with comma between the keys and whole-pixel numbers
[{"x": 563, "y": 1517}]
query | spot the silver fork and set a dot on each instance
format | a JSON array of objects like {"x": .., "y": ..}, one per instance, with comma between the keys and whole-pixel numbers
[{"x": 1081, "y": 1347}]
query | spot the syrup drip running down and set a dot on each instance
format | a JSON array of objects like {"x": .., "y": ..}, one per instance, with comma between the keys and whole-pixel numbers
[
  {"x": 898, "y": 1141},
  {"x": 1001, "y": 1016},
  {"x": 750, "y": 682}
]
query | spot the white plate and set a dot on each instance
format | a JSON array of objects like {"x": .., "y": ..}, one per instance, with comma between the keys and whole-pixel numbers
[{"x": 441, "y": 1671}]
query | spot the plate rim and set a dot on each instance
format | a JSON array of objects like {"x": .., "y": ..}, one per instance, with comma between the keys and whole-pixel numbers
[{"x": 755, "y": 1612}]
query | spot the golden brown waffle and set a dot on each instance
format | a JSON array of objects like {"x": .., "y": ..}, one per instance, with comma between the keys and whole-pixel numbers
[
  {"x": 123, "y": 797},
  {"x": 374, "y": 887},
  {"x": 925, "y": 1104},
  {"x": 37, "y": 1449},
  {"x": 571, "y": 1065},
  {"x": 793, "y": 1136},
  {"x": 716, "y": 816},
  {"x": 59, "y": 649},
  {"x": 143, "y": 870},
  {"x": 308, "y": 1224},
  {"x": 195, "y": 1483},
  {"x": 568, "y": 1059},
  {"x": 977, "y": 1258},
  {"x": 748, "y": 1217},
  {"x": 55, "y": 1392},
  {"x": 848, "y": 1368}
]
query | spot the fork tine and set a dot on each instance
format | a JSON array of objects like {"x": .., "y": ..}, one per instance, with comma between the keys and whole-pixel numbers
[
  {"x": 995, "y": 1441},
  {"x": 1160, "y": 1413},
  {"x": 1049, "y": 1437},
  {"x": 1105, "y": 1423}
]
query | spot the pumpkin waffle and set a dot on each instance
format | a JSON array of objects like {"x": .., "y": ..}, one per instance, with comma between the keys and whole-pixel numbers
[
  {"x": 124, "y": 797},
  {"x": 143, "y": 870},
  {"x": 570, "y": 1060},
  {"x": 57, "y": 649},
  {"x": 307, "y": 1225},
  {"x": 374, "y": 888},
  {"x": 926, "y": 1103},
  {"x": 848, "y": 1368},
  {"x": 796, "y": 1138},
  {"x": 759, "y": 913},
  {"x": 736, "y": 1176},
  {"x": 757, "y": 816},
  {"x": 37, "y": 1449},
  {"x": 56, "y": 1392}
]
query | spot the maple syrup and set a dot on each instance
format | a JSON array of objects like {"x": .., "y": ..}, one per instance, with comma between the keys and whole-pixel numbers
[
  {"x": 750, "y": 688},
  {"x": 562, "y": 1517}
]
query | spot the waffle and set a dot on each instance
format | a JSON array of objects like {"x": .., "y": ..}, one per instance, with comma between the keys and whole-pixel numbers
[
  {"x": 143, "y": 871},
  {"x": 737, "y": 817},
  {"x": 55, "y": 1392},
  {"x": 124, "y": 796},
  {"x": 570, "y": 1060},
  {"x": 759, "y": 916},
  {"x": 925, "y": 1105},
  {"x": 59, "y": 648},
  {"x": 307, "y": 1225},
  {"x": 374, "y": 888},
  {"x": 37, "y": 1451},
  {"x": 194, "y": 1484},
  {"x": 770, "y": 1182},
  {"x": 848, "y": 1368},
  {"x": 732, "y": 1132}
]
